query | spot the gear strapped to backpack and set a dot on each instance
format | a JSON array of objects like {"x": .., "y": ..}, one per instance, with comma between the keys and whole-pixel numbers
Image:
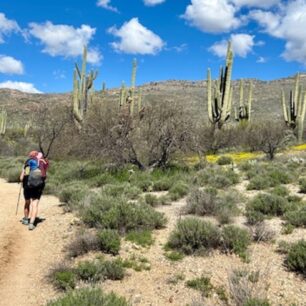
[{"x": 35, "y": 179}]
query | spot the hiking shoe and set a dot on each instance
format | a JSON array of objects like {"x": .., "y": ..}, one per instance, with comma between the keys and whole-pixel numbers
[
  {"x": 31, "y": 226},
  {"x": 25, "y": 221}
]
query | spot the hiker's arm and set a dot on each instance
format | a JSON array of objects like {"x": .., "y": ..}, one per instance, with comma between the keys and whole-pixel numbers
[{"x": 21, "y": 175}]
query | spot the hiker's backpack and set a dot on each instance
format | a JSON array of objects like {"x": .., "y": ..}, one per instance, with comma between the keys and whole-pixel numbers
[{"x": 35, "y": 179}]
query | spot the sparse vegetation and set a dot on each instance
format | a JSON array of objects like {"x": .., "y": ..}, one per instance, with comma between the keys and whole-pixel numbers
[{"x": 296, "y": 257}]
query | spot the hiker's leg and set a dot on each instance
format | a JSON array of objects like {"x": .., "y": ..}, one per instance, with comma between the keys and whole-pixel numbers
[
  {"x": 27, "y": 208},
  {"x": 34, "y": 210}
]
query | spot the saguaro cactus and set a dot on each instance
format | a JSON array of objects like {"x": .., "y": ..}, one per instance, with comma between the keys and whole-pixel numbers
[
  {"x": 219, "y": 99},
  {"x": 82, "y": 84},
  {"x": 294, "y": 115},
  {"x": 3, "y": 121},
  {"x": 243, "y": 112}
]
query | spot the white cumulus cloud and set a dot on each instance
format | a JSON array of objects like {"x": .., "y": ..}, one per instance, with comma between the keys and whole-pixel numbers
[
  {"x": 22, "y": 86},
  {"x": 7, "y": 27},
  {"x": 215, "y": 16},
  {"x": 65, "y": 40},
  {"x": 10, "y": 65},
  {"x": 134, "y": 38},
  {"x": 242, "y": 45},
  {"x": 153, "y": 2},
  {"x": 257, "y": 3},
  {"x": 107, "y": 5},
  {"x": 289, "y": 24}
]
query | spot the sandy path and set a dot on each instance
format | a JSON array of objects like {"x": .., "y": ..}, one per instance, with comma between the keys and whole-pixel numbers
[{"x": 26, "y": 256}]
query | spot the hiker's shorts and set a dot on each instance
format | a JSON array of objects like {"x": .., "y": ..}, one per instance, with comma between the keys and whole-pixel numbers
[{"x": 33, "y": 193}]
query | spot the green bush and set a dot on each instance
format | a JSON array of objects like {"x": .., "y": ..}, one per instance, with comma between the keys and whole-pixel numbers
[
  {"x": 224, "y": 160},
  {"x": 178, "y": 190},
  {"x": 254, "y": 216},
  {"x": 201, "y": 284},
  {"x": 123, "y": 216},
  {"x": 100, "y": 270},
  {"x": 256, "y": 302},
  {"x": 163, "y": 184},
  {"x": 89, "y": 297},
  {"x": 13, "y": 175},
  {"x": 88, "y": 271},
  {"x": 236, "y": 239},
  {"x": 63, "y": 277},
  {"x": 151, "y": 199},
  {"x": 73, "y": 194},
  {"x": 302, "y": 183},
  {"x": 174, "y": 255},
  {"x": 296, "y": 257},
  {"x": 202, "y": 202},
  {"x": 258, "y": 183},
  {"x": 192, "y": 235},
  {"x": 109, "y": 241},
  {"x": 268, "y": 204},
  {"x": 281, "y": 191},
  {"x": 208, "y": 202},
  {"x": 297, "y": 217},
  {"x": 143, "y": 238}
]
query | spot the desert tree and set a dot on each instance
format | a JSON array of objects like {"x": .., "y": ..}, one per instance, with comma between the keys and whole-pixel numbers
[{"x": 268, "y": 137}]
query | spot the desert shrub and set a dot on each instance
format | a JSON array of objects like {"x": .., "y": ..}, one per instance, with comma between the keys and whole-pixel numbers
[
  {"x": 283, "y": 247},
  {"x": 100, "y": 269},
  {"x": 178, "y": 190},
  {"x": 12, "y": 175},
  {"x": 236, "y": 239},
  {"x": 201, "y": 284},
  {"x": 192, "y": 235},
  {"x": 267, "y": 204},
  {"x": 287, "y": 229},
  {"x": 209, "y": 202},
  {"x": 281, "y": 191},
  {"x": 254, "y": 216},
  {"x": 119, "y": 190},
  {"x": 202, "y": 202},
  {"x": 217, "y": 177},
  {"x": 258, "y": 183},
  {"x": 63, "y": 277},
  {"x": 256, "y": 302},
  {"x": 263, "y": 177},
  {"x": 89, "y": 296},
  {"x": 296, "y": 257},
  {"x": 302, "y": 183},
  {"x": 261, "y": 232},
  {"x": 119, "y": 214},
  {"x": 297, "y": 217},
  {"x": 174, "y": 255},
  {"x": 163, "y": 184},
  {"x": 83, "y": 243},
  {"x": 227, "y": 208},
  {"x": 151, "y": 199},
  {"x": 109, "y": 241},
  {"x": 88, "y": 271},
  {"x": 73, "y": 194},
  {"x": 224, "y": 160},
  {"x": 112, "y": 270},
  {"x": 249, "y": 287},
  {"x": 143, "y": 238}
]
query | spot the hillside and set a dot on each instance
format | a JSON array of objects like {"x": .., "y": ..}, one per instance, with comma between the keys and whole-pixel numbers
[{"x": 192, "y": 94}]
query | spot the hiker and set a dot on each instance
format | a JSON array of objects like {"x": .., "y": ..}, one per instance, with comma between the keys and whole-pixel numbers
[{"x": 33, "y": 178}]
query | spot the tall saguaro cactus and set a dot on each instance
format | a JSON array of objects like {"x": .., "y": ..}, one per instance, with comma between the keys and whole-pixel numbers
[
  {"x": 3, "y": 121},
  {"x": 294, "y": 114},
  {"x": 219, "y": 98},
  {"x": 243, "y": 112},
  {"x": 82, "y": 84}
]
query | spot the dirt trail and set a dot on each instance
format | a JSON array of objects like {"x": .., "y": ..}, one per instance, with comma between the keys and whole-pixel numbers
[{"x": 26, "y": 256}]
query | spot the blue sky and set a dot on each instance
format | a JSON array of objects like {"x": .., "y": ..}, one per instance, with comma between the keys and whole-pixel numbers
[{"x": 172, "y": 39}]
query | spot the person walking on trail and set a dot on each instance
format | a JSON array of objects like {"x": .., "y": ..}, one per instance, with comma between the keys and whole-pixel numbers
[{"x": 33, "y": 176}]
